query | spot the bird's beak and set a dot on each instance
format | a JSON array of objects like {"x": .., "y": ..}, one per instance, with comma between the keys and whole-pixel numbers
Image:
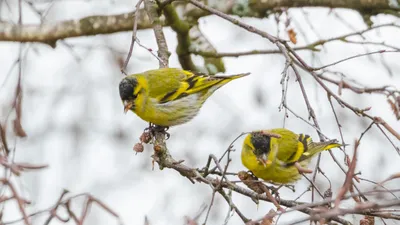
[
  {"x": 127, "y": 106},
  {"x": 263, "y": 159}
]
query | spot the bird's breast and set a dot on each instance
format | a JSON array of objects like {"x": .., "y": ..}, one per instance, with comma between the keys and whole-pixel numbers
[{"x": 172, "y": 113}]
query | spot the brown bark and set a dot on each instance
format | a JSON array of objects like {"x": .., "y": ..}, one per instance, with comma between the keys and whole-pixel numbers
[{"x": 49, "y": 33}]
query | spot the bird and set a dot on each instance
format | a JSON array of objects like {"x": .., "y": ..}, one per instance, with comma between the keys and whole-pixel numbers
[
  {"x": 279, "y": 155},
  {"x": 169, "y": 96}
]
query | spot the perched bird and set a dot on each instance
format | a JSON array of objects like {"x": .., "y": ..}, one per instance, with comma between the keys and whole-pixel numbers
[
  {"x": 279, "y": 155},
  {"x": 169, "y": 96}
]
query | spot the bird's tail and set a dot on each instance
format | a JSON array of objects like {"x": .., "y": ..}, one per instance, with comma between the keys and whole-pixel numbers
[
  {"x": 225, "y": 79},
  {"x": 209, "y": 84},
  {"x": 232, "y": 77},
  {"x": 317, "y": 147}
]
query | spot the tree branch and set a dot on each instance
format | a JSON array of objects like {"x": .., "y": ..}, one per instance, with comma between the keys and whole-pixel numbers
[
  {"x": 361, "y": 5},
  {"x": 181, "y": 27},
  {"x": 151, "y": 9},
  {"x": 212, "y": 64},
  {"x": 50, "y": 33}
]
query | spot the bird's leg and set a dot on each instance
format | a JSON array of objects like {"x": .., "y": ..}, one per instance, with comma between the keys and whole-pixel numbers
[
  {"x": 148, "y": 129},
  {"x": 251, "y": 173},
  {"x": 289, "y": 186},
  {"x": 162, "y": 129},
  {"x": 274, "y": 190},
  {"x": 302, "y": 169},
  {"x": 153, "y": 128}
]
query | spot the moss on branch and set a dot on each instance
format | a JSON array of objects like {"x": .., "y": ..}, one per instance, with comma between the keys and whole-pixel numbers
[{"x": 181, "y": 27}]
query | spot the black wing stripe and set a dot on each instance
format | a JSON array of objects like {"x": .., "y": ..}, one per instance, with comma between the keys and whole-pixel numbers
[
  {"x": 303, "y": 139},
  {"x": 169, "y": 94},
  {"x": 184, "y": 94},
  {"x": 292, "y": 156},
  {"x": 191, "y": 81}
]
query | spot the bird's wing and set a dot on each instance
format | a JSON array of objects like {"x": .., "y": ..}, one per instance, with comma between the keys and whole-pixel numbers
[
  {"x": 290, "y": 148},
  {"x": 163, "y": 82},
  {"x": 175, "y": 83},
  {"x": 198, "y": 83}
]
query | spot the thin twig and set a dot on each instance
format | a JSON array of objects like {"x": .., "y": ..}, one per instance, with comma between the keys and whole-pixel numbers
[
  {"x": 135, "y": 22},
  {"x": 352, "y": 57},
  {"x": 234, "y": 21},
  {"x": 152, "y": 11}
]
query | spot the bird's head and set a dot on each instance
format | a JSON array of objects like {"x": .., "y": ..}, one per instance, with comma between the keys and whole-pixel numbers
[
  {"x": 130, "y": 92},
  {"x": 261, "y": 147}
]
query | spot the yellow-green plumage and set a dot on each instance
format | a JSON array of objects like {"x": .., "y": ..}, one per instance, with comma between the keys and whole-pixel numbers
[
  {"x": 282, "y": 153},
  {"x": 169, "y": 96}
]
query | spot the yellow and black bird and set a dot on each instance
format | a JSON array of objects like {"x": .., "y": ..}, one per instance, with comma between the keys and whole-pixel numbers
[
  {"x": 279, "y": 155},
  {"x": 169, "y": 96}
]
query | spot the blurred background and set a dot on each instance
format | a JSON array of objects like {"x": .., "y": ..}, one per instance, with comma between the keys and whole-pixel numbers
[{"x": 74, "y": 121}]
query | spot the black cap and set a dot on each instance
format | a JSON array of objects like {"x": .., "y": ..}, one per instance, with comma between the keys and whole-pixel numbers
[
  {"x": 126, "y": 88},
  {"x": 261, "y": 143}
]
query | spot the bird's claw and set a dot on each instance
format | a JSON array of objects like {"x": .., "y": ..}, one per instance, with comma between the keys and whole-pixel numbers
[
  {"x": 273, "y": 189},
  {"x": 163, "y": 130},
  {"x": 251, "y": 173},
  {"x": 148, "y": 129},
  {"x": 153, "y": 129}
]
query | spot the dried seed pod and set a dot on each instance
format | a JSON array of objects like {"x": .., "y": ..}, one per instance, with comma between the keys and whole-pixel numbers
[
  {"x": 292, "y": 36},
  {"x": 251, "y": 182},
  {"x": 145, "y": 137},
  {"x": 368, "y": 220},
  {"x": 395, "y": 106},
  {"x": 138, "y": 147},
  {"x": 269, "y": 218},
  {"x": 157, "y": 148}
]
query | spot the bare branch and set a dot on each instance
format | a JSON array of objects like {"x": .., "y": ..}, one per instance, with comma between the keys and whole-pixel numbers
[
  {"x": 235, "y": 21},
  {"x": 136, "y": 14},
  {"x": 349, "y": 177},
  {"x": 181, "y": 27},
  {"x": 49, "y": 33},
  {"x": 263, "y": 6},
  {"x": 151, "y": 9}
]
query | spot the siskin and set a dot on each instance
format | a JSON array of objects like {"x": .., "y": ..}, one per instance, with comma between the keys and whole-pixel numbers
[
  {"x": 169, "y": 96},
  {"x": 280, "y": 156}
]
